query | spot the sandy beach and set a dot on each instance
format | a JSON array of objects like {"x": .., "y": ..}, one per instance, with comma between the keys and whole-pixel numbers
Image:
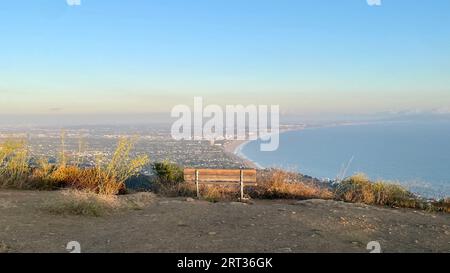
[{"x": 233, "y": 147}]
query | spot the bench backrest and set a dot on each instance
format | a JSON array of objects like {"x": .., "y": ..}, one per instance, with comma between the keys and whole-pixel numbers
[{"x": 221, "y": 176}]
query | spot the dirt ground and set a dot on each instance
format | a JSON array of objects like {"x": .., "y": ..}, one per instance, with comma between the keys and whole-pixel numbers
[{"x": 178, "y": 225}]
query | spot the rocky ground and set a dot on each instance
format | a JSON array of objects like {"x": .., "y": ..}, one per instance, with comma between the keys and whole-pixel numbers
[{"x": 178, "y": 225}]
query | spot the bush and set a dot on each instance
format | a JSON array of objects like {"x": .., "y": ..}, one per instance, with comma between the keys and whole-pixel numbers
[
  {"x": 393, "y": 195},
  {"x": 74, "y": 202},
  {"x": 356, "y": 189},
  {"x": 441, "y": 205},
  {"x": 14, "y": 167},
  {"x": 168, "y": 172},
  {"x": 279, "y": 184},
  {"x": 359, "y": 189},
  {"x": 169, "y": 178},
  {"x": 108, "y": 179},
  {"x": 216, "y": 193}
]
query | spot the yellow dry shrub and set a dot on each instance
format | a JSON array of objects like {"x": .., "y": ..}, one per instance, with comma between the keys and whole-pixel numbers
[
  {"x": 108, "y": 179},
  {"x": 14, "y": 167},
  {"x": 279, "y": 184}
]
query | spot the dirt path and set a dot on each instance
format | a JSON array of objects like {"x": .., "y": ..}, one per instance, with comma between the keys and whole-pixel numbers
[{"x": 175, "y": 225}]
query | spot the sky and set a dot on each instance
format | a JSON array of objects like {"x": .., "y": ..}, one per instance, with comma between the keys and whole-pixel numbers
[{"x": 320, "y": 57}]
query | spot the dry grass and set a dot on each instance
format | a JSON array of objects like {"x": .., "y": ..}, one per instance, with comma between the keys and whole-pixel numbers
[
  {"x": 276, "y": 184},
  {"x": 74, "y": 202},
  {"x": 211, "y": 193},
  {"x": 441, "y": 205},
  {"x": 108, "y": 179},
  {"x": 14, "y": 168},
  {"x": 359, "y": 189},
  {"x": 94, "y": 180},
  {"x": 175, "y": 189},
  {"x": 279, "y": 184},
  {"x": 356, "y": 189},
  {"x": 137, "y": 201},
  {"x": 218, "y": 193},
  {"x": 393, "y": 195}
]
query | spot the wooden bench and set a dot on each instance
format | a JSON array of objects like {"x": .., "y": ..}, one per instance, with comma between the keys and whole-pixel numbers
[{"x": 241, "y": 177}]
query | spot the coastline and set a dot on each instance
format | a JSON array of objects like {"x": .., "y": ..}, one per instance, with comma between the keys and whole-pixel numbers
[
  {"x": 421, "y": 188},
  {"x": 234, "y": 148}
]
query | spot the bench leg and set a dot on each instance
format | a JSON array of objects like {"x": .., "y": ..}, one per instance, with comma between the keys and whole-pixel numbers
[
  {"x": 198, "y": 190},
  {"x": 196, "y": 184},
  {"x": 241, "y": 182}
]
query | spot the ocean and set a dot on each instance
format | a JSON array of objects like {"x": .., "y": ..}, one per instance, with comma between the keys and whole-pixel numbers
[{"x": 414, "y": 154}]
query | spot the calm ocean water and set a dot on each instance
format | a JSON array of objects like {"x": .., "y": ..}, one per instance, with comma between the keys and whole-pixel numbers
[{"x": 415, "y": 154}]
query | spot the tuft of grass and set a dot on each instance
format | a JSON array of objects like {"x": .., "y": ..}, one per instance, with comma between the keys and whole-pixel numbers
[
  {"x": 138, "y": 201},
  {"x": 393, "y": 195},
  {"x": 213, "y": 193},
  {"x": 175, "y": 189},
  {"x": 359, "y": 189},
  {"x": 14, "y": 168},
  {"x": 356, "y": 189},
  {"x": 74, "y": 202},
  {"x": 82, "y": 203},
  {"x": 279, "y": 184},
  {"x": 441, "y": 205}
]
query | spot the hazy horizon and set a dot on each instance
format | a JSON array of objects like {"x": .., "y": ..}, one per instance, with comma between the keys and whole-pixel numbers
[{"x": 64, "y": 120}]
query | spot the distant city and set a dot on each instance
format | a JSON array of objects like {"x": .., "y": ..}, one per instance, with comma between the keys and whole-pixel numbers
[
  {"x": 88, "y": 144},
  {"x": 91, "y": 144}
]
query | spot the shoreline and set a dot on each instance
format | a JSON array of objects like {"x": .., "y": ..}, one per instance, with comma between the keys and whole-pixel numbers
[{"x": 234, "y": 147}]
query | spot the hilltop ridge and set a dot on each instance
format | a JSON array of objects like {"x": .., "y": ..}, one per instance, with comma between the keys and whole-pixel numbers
[{"x": 187, "y": 225}]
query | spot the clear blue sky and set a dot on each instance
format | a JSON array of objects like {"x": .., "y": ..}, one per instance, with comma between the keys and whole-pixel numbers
[{"x": 311, "y": 56}]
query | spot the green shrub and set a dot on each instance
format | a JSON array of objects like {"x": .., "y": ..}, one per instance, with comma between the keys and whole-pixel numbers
[{"x": 168, "y": 172}]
